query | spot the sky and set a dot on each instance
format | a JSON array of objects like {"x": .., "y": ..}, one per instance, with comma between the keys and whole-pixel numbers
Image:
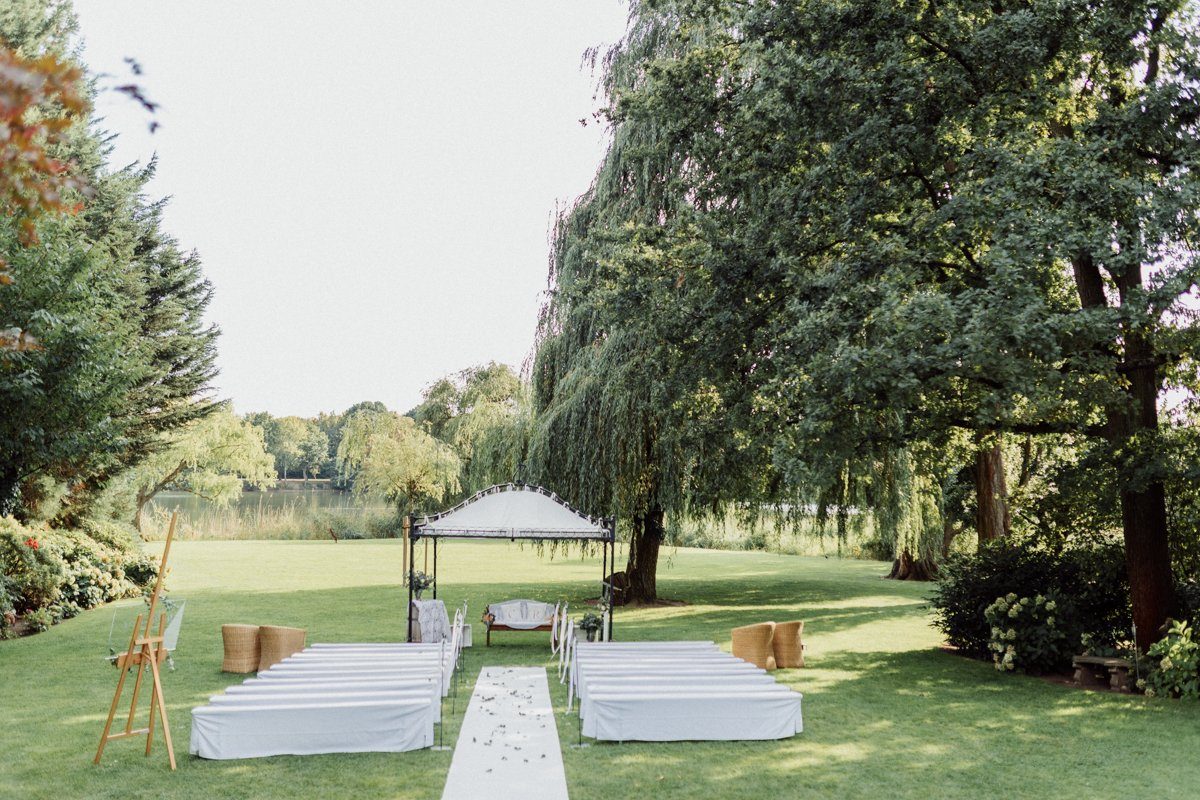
[{"x": 370, "y": 185}]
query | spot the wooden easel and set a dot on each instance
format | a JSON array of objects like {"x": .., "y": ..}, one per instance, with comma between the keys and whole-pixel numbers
[{"x": 144, "y": 650}]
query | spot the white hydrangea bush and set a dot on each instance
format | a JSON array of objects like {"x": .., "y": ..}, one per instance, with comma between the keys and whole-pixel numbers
[{"x": 1029, "y": 634}]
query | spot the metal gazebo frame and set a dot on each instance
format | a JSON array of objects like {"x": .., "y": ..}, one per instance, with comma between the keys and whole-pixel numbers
[{"x": 603, "y": 531}]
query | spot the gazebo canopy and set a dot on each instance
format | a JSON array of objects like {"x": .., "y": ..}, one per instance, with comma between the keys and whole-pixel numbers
[{"x": 513, "y": 511}]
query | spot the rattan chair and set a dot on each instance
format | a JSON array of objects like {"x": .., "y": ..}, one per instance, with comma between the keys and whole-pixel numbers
[
  {"x": 241, "y": 648},
  {"x": 276, "y": 643},
  {"x": 753, "y": 643},
  {"x": 788, "y": 644}
]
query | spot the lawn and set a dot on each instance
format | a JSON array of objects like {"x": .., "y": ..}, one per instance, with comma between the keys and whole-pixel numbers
[{"x": 886, "y": 713}]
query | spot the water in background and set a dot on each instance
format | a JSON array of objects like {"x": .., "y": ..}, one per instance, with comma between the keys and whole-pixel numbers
[{"x": 273, "y": 514}]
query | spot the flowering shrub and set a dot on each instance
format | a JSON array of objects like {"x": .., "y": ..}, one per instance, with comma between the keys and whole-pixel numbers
[
  {"x": 39, "y": 619},
  {"x": 1030, "y": 633},
  {"x": 1177, "y": 665},
  {"x": 1090, "y": 578},
  {"x": 35, "y": 574},
  {"x": 95, "y": 574},
  {"x": 47, "y": 575},
  {"x": 8, "y": 615}
]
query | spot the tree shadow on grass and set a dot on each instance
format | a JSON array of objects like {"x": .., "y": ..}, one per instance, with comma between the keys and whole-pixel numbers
[
  {"x": 879, "y": 723},
  {"x": 929, "y": 724}
]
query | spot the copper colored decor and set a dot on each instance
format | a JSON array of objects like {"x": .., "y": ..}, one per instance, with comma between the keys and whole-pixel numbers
[
  {"x": 753, "y": 643},
  {"x": 241, "y": 648},
  {"x": 277, "y": 643},
  {"x": 788, "y": 644}
]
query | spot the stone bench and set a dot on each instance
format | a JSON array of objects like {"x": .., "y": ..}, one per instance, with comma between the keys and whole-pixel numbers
[{"x": 1102, "y": 671}]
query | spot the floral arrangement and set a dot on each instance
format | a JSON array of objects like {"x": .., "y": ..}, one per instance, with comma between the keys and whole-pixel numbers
[
  {"x": 591, "y": 621},
  {"x": 419, "y": 582},
  {"x": 1029, "y": 633}
]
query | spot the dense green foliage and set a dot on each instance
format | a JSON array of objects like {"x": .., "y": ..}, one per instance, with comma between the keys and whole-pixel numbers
[
  {"x": 1090, "y": 579},
  {"x": 214, "y": 458},
  {"x": 483, "y": 413},
  {"x": 47, "y": 575},
  {"x": 843, "y": 252},
  {"x": 392, "y": 458},
  {"x": 480, "y": 413},
  {"x": 115, "y": 357},
  {"x": 1176, "y": 664},
  {"x": 1032, "y": 634},
  {"x": 125, "y": 357}
]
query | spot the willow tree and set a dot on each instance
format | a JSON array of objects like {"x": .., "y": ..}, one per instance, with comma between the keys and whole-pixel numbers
[
  {"x": 212, "y": 457},
  {"x": 391, "y": 458},
  {"x": 483, "y": 412},
  {"x": 970, "y": 215},
  {"x": 631, "y": 417}
]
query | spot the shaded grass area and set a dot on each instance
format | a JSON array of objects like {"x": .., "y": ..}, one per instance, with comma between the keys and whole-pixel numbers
[{"x": 886, "y": 713}]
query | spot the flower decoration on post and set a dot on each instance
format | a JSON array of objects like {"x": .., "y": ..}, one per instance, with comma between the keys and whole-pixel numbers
[
  {"x": 420, "y": 582},
  {"x": 593, "y": 621}
]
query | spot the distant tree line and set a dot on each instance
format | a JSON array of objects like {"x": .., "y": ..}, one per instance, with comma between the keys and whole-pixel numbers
[{"x": 466, "y": 434}]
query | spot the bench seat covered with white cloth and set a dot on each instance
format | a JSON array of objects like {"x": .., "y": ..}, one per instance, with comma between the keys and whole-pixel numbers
[
  {"x": 519, "y": 615},
  {"x": 688, "y": 715},
  {"x": 237, "y": 730},
  {"x": 330, "y": 700},
  {"x": 659, "y": 692}
]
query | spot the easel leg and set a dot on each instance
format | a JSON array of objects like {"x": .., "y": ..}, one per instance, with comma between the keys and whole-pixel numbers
[
  {"x": 152, "y": 654},
  {"x": 150, "y": 724},
  {"x": 112, "y": 710},
  {"x": 137, "y": 688},
  {"x": 162, "y": 711}
]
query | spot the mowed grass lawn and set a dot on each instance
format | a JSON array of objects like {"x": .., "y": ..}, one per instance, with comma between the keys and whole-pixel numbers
[{"x": 886, "y": 713}]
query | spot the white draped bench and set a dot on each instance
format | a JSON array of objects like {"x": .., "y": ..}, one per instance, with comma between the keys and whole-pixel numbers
[
  {"x": 340, "y": 699},
  {"x": 664, "y": 691}
]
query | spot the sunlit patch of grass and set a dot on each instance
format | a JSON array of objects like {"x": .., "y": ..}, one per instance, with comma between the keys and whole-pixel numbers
[{"x": 886, "y": 713}]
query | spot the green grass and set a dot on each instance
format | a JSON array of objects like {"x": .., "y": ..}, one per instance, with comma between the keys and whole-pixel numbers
[{"x": 886, "y": 713}]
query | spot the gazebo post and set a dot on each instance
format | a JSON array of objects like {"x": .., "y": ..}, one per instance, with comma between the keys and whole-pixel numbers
[
  {"x": 604, "y": 571},
  {"x": 411, "y": 553},
  {"x": 435, "y": 541},
  {"x": 612, "y": 540}
]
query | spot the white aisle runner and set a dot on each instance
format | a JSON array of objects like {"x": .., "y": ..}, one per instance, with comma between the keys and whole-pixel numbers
[{"x": 508, "y": 746}]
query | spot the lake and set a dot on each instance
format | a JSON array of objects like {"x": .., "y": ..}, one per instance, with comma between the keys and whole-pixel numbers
[{"x": 273, "y": 514}]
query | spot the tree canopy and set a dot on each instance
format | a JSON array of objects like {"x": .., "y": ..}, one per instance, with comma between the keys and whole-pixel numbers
[
  {"x": 848, "y": 232},
  {"x": 393, "y": 459}
]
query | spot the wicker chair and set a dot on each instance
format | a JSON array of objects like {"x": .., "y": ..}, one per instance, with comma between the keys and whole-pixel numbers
[
  {"x": 753, "y": 643},
  {"x": 277, "y": 643},
  {"x": 788, "y": 644},
  {"x": 241, "y": 648}
]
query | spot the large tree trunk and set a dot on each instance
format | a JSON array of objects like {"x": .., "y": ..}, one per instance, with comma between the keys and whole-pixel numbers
[
  {"x": 1148, "y": 561},
  {"x": 992, "y": 518},
  {"x": 907, "y": 568},
  {"x": 642, "y": 568},
  {"x": 949, "y": 531},
  {"x": 1144, "y": 509}
]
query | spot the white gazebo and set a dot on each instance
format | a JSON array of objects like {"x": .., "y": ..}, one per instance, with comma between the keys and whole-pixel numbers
[{"x": 513, "y": 511}]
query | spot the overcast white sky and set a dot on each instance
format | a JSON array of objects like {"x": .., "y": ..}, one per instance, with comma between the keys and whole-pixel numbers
[{"x": 369, "y": 184}]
